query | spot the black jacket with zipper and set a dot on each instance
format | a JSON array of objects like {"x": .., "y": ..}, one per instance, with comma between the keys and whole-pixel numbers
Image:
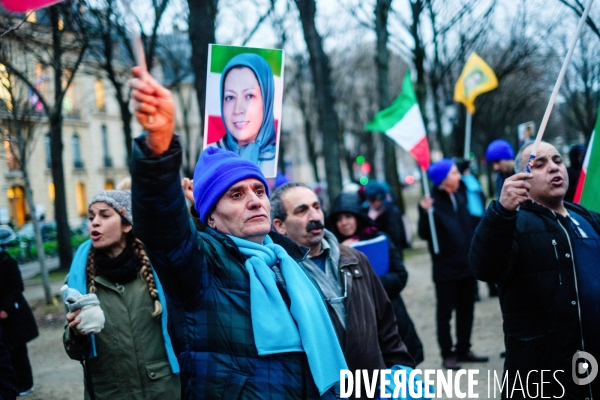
[{"x": 529, "y": 254}]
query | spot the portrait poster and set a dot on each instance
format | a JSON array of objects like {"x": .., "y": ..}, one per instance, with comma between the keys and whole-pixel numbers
[
  {"x": 244, "y": 96},
  {"x": 526, "y": 131}
]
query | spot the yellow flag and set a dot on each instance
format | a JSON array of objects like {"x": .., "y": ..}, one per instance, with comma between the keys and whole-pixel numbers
[{"x": 476, "y": 78}]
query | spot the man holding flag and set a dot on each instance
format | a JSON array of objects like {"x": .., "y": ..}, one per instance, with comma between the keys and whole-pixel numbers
[{"x": 543, "y": 253}]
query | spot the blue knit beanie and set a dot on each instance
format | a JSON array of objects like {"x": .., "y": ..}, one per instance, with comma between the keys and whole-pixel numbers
[
  {"x": 376, "y": 191},
  {"x": 215, "y": 172},
  {"x": 498, "y": 150},
  {"x": 438, "y": 171}
]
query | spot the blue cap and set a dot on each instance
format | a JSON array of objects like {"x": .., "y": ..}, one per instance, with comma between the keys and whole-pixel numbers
[
  {"x": 216, "y": 171},
  {"x": 438, "y": 171},
  {"x": 376, "y": 191},
  {"x": 498, "y": 150}
]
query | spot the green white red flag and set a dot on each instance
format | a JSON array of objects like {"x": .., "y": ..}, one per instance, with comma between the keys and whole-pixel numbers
[
  {"x": 402, "y": 122},
  {"x": 588, "y": 187}
]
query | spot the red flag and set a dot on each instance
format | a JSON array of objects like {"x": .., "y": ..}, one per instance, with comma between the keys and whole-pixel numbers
[{"x": 27, "y": 5}]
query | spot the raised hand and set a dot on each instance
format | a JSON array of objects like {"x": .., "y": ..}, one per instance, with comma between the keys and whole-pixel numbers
[
  {"x": 153, "y": 107},
  {"x": 515, "y": 191}
]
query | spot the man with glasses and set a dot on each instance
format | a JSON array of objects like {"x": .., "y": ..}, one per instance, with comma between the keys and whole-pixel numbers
[{"x": 358, "y": 305}]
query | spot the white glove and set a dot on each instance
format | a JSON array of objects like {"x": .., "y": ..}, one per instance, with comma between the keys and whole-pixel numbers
[
  {"x": 91, "y": 315},
  {"x": 92, "y": 320}
]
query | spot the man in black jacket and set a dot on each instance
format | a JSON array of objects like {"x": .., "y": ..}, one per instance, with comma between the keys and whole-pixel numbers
[
  {"x": 543, "y": 252},
  {"x": 454, "y": 283}
]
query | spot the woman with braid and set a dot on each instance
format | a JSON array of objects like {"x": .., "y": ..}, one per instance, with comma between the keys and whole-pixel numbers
[{"x": 116, "y": 320}]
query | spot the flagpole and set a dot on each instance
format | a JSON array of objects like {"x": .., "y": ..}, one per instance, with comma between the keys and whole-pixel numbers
[
  {"x": 136, "y": 44},
  {"x": 468, "y": 135},
  {"x": 434, "y": 238},
  {"x": 557, "y": 85}
]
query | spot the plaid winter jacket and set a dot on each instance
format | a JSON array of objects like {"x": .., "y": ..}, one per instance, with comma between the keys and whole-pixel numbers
[{"x": 208, "y": 294}]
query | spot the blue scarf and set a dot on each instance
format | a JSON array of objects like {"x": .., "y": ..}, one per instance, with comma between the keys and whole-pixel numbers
[
  {"x": 308, "y": 328},
  {"x": 474, "y": 202},
  {"x": 78, "y": 280},
  {"x": 263, "y": 148}
]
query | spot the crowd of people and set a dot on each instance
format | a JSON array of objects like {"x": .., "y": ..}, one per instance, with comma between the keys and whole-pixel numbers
[{"x": 258, "y": 292}]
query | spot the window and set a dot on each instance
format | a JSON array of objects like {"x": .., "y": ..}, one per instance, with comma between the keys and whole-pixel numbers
[
  {"x": 77, "y": 161},
  {"x": 81, "y": 198},
  {"x": 11, "y": 149},
  {"x": 5, "y": 97},
  {"x": 16, "y": 204},
  {"x": 51, "y": 193},
  {"x": 107, "y": 159},
  {"x": 69, "y": 98},
  {"x": 99, "y": 89},
  {"x": 48, "y": 151},
  {"x": 109, "y": 185}
]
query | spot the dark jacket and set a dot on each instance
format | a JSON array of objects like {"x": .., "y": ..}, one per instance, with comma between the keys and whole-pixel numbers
[
  {"x": 208, "y": 294},
  {"x": 8, "y": 380},
  {"x": 394, "y": 281},
  {"x": 390, "y": 222},
  {"x": 20, "y": 326},
  {"x": 454, "y": 233},
  {"x": 529, "y": 255},
  {"x": 367, "y": 305}
]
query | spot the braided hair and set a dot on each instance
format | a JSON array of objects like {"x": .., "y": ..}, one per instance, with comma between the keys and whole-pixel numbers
[{"x": 145, "y": 272}]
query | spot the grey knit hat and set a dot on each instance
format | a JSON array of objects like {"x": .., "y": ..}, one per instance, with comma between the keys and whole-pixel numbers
[{"x": 120, "y": 200}]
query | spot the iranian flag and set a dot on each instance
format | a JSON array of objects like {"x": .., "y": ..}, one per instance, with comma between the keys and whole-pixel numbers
[
  {"x": 403, "y": 122},
  {"x": 588, "y": 186},
  {"x": 26, "y": 5}
]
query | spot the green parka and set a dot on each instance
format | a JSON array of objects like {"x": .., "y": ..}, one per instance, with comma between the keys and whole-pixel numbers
[{"x": 132, "y": 361}]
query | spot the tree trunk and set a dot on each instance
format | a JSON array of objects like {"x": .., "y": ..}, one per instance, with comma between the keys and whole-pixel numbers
[
  {"x": 328, "y": 119},
  {"x": 65, "y": 252},
  {"x": 38, "y": 237},
  {"x": 126, "y": 117},
  {"x": 202, "y": 32},
  {"x": 382, "y": 60}
]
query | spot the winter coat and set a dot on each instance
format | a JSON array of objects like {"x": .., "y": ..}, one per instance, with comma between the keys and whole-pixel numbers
[
  {"x": 208, "y": 293},
  {"x": 20, "y": 326},
  {"x": 393, "y": 282},
  {"x": 367, "y": 305},
  {"x": 454, "y": 233},
  {"x": 390, "y": 222},
  {"x": 8, "y": 380},
  {"x": 131, "y": 361},
  {"x": 529, "y": 255}
]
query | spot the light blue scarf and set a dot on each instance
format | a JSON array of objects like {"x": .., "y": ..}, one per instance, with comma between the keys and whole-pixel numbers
[
  {"x": 308, "y": 328},
  {"x": 474, "y": 202},
  {"x": 263, "y": 148},
  {"x": 78, "y": 280}
]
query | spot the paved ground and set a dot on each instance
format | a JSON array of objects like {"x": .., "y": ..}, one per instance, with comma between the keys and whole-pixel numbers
[{"x": 57, "y": 377}]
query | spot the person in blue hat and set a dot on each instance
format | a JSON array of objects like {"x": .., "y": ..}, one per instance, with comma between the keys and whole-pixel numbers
[
  {"x": 247, "y": 100},
  {"x": 245, "y": 319},
  {"x": 455, "y": 285},
  {"x": 502, "y": 157}
]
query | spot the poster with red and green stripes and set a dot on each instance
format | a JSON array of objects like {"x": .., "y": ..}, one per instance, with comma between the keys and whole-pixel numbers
[{"x": 245, "y": 102}]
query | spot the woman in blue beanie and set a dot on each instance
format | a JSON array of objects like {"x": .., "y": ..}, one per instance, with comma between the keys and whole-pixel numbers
[{"x": 247, "y": 97}]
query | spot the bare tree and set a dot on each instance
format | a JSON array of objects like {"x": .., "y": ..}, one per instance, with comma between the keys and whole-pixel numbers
[
  {"x": 581, "y": 87},
  {"x": 112, "y": 53},
  {"x": 58, "y": 42},
  {"x": 19, "y": 131},
  {"x": 328, "y": 118}
]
